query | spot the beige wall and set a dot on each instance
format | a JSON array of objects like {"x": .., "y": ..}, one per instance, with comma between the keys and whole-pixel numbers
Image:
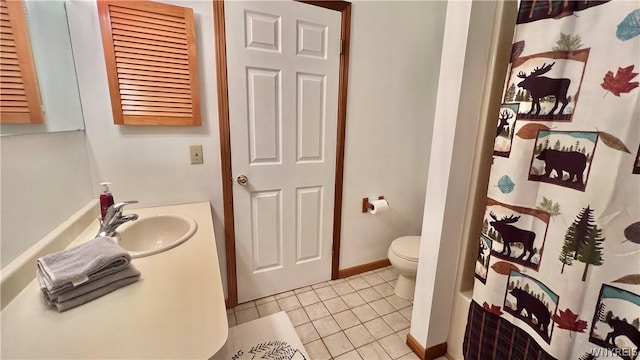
[
  {"x": 392, "y": 85},
  {"x": 436, "y": 251},
  {"x": 45, "y": 179},
  {"x": 444, "y": 282},
  {"x": 393, "y": 76}
]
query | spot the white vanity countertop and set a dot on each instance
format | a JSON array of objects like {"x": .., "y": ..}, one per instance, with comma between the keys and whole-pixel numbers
[{"x": 175, "y": 311}]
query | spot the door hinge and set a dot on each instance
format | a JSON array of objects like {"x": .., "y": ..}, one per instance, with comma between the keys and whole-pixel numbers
[{"x": 341, "y": 46}]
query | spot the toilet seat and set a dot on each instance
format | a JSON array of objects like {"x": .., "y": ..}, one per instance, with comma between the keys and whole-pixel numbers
[{"x": 406, "y": 247}]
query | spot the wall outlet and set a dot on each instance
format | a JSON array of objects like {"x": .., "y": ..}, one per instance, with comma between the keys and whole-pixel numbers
[{"x": 196, "y": 154}]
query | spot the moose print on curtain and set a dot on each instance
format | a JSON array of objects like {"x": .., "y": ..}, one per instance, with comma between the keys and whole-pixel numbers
[{"x": 558, "y": 266}]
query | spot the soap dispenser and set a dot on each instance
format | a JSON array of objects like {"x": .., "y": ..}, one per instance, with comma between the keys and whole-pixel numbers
[{"x": 106, "y": 199}]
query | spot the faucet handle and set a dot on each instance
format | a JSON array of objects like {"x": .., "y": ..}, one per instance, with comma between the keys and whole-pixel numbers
[
  {"x": 113, "y": 218},
  {"x": 116, "y": 209},
  {"x": 120, "y": 205}
]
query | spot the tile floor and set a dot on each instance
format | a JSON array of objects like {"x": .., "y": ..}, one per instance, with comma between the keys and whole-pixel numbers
[{"x": 358, "y": 317}]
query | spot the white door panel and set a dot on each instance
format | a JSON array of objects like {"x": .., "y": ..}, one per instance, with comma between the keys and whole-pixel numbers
[{"x": 283, "y": 68}]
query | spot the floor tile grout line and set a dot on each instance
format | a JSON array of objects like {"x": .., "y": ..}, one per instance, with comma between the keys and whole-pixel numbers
[
  {"x": 383, "y": 349},
  {"x": 368, "y": 332},
  {"x": 345, "y": 335},
  {"x": 331, "y": 357}
]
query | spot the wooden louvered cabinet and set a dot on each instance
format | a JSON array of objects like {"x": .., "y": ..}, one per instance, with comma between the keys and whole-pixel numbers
[
  {"x": 150, "y": 54},
  {"x": 20, "y": 101}
]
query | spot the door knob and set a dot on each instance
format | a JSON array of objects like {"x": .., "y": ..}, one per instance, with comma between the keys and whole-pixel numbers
[{"x": 242, "y": 180}]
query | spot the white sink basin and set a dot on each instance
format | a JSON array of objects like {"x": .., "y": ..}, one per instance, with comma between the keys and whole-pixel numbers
[{"x": 154, "y": 234}]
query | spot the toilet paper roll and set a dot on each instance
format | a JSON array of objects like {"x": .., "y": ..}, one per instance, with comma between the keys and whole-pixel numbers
[{"x": 378, "y": 206}]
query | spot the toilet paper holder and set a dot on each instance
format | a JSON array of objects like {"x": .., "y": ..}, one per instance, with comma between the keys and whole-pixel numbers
[{"x": 366, "y": 206}]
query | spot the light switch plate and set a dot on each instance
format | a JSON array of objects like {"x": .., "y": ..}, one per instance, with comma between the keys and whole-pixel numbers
[{"x": 196, "y": 154}]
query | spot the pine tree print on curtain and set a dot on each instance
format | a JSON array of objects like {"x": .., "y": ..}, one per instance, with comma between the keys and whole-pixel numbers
[{"x": 582, "y": 242}]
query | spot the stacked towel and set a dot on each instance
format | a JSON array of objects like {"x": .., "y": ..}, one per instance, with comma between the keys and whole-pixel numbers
[{"x": 78, "y": 275}]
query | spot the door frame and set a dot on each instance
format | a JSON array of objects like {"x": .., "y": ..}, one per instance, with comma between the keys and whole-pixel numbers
[{"x": 344, "y": 8}]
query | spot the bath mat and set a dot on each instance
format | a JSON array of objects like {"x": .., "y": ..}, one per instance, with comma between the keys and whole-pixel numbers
[{"x": 271, "y": 337}]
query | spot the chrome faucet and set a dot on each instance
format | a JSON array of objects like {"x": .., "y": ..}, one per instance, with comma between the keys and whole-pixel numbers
[{"x": 114, "y": 218}]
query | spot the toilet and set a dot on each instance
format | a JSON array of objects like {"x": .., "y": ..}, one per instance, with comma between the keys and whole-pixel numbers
[{"x": 403, "y": 255}]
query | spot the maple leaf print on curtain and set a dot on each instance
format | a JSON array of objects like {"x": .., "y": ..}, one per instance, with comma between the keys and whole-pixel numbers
[{"x": 621, "y": 82}]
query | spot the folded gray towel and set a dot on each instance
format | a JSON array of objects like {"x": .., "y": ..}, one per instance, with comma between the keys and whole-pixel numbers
[
  {"x": 75, "y": 266},
  {"x": 59, "y": 296},
  {"x": 85, "y": 298},
  {"x": 69, "y": 286}
]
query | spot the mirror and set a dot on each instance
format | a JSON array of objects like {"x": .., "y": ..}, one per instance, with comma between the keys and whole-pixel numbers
[{"x": 55, "y": 68}]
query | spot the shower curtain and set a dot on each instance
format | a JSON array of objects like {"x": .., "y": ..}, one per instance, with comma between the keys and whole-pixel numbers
[{"x": 558, "y": 266}]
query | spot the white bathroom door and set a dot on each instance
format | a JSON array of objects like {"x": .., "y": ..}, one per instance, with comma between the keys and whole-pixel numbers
[{"x": 283, "y": 68}]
